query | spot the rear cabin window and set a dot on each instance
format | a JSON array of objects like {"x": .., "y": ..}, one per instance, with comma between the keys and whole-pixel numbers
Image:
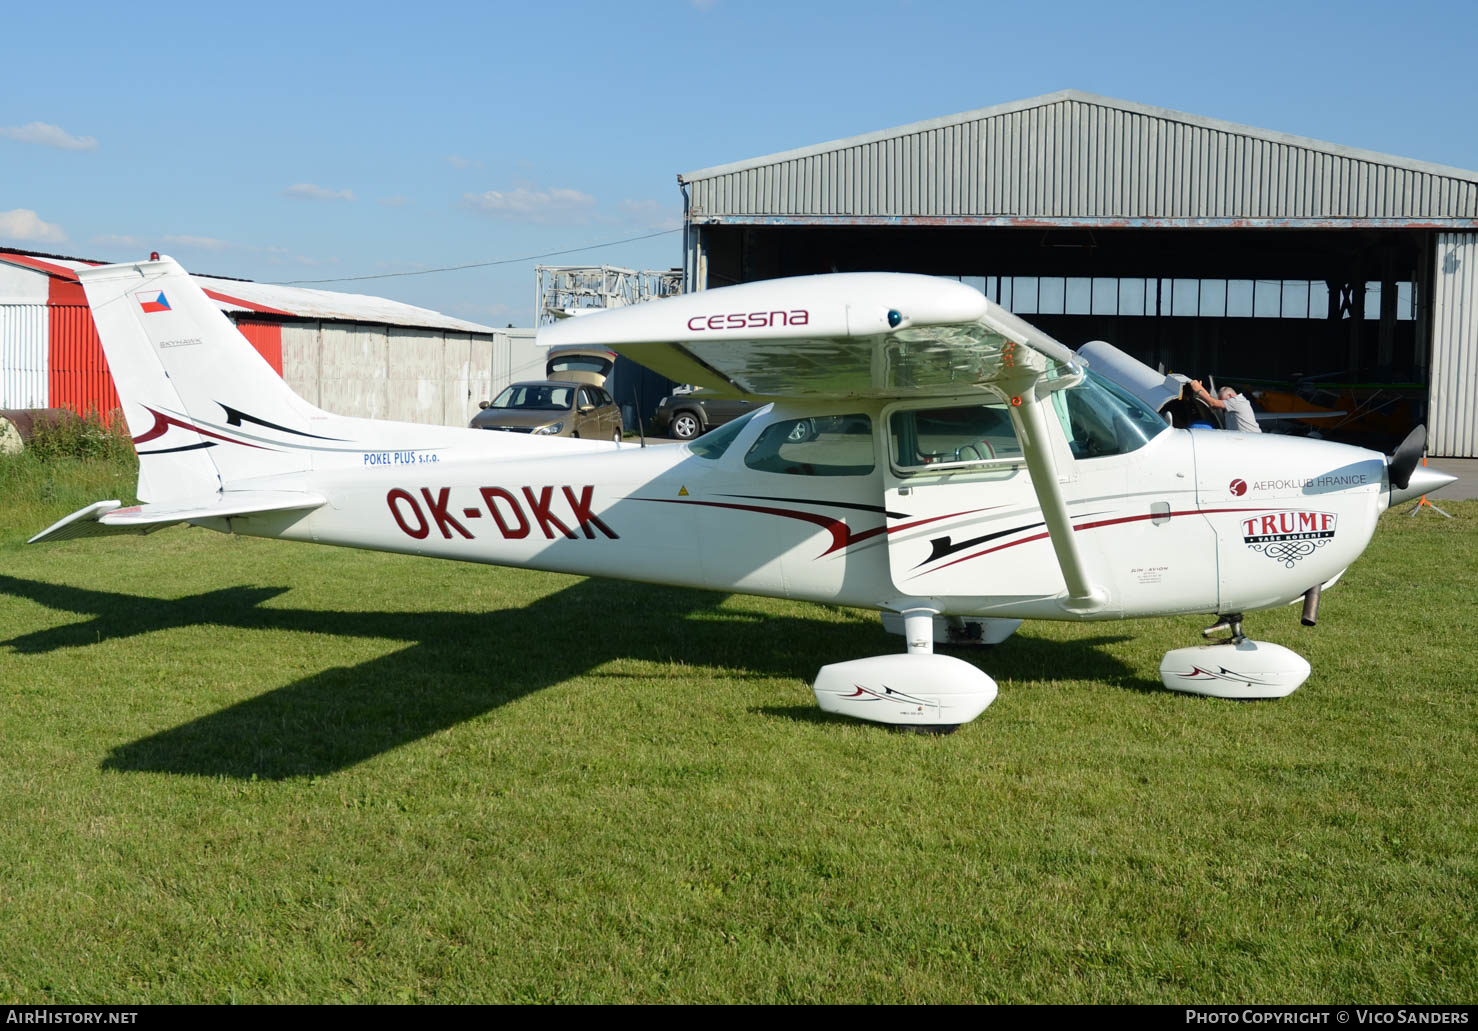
[
  {"x": 580, "y": 363},
  {"x": 714, "y": 443},
  {"x": 832, "y": 445},
  {"x": 933, "y": 439}
]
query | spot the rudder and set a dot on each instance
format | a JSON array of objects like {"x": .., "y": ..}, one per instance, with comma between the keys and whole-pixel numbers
[{"x": 193, "y": 389}]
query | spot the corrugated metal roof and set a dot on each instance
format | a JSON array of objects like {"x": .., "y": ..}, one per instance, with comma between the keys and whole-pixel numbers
[
  {"x": 1081, "y": 159},
  {"x": 237, "y": 295},
  {"x": 323, "y": 304}
]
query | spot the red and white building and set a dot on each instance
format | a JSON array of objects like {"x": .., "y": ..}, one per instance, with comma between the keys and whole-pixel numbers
[{"x": 348, "y": 353}]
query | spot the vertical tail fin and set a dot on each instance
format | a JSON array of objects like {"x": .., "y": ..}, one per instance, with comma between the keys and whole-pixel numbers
[{"x": 197, "y": 396}]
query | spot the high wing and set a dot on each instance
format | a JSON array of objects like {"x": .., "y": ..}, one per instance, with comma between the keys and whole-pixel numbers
[
  {"x": 859, "y": 335},
  {"x": 832, "y": 337}
]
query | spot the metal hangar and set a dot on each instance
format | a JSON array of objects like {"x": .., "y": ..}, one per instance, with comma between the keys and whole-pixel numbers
[{"x": 1192, "y": 243}]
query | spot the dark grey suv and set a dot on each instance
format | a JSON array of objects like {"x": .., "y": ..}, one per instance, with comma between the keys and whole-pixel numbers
[{"x": 688, "y": 415}]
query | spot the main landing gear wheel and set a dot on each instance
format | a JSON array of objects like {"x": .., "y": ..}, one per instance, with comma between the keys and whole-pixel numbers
[{"x": 918, "y": 691}]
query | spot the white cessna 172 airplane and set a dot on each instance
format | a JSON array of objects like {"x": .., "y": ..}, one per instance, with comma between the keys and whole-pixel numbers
[{"x": 927, "y": 453}]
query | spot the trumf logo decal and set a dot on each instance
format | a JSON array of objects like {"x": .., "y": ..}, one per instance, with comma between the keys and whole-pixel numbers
[
  {"x": 1238, "y": 487},
  {"x": 1288, "y": 536}
]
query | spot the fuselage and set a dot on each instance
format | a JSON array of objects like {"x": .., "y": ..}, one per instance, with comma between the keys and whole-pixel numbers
[
  {"x": 818, "y": 502},
  {"x": 935, "y": 453}
]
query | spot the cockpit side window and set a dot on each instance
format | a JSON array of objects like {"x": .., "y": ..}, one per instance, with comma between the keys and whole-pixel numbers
[{"x": 934, "y": 439}]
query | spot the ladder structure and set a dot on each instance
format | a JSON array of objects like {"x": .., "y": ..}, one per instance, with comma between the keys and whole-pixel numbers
[{"x": 562, "y": 290}]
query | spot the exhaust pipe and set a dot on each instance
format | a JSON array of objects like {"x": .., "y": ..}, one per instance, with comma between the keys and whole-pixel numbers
[{"x": 1310, "y": 615}]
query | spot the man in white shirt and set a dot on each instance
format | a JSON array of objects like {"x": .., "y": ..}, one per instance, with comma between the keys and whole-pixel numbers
[{"x": 1237, "y": 407}]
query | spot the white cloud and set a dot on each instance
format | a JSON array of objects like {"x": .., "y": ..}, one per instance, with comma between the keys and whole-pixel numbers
[
  {"x": 526, "y": 205},
  {"x": 651, "y": 214},
  {"x": 48, "y": 136},
  {"x": 201, "y": 243},
  {"x": 114, "y": 240},
  {"x": 310, "y": 191},
  {"x": 24, "y": 224},
  {"x": 275, "y": 254}
]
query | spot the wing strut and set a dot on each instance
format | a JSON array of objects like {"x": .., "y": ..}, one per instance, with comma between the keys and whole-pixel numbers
[{"x": 1031, "y": 426}]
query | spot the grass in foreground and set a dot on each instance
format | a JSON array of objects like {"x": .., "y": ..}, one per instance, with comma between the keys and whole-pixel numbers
[{"x": 236, "y": 770}]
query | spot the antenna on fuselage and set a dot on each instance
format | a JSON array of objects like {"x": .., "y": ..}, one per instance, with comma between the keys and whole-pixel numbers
[{"x": 636, "y": 407}]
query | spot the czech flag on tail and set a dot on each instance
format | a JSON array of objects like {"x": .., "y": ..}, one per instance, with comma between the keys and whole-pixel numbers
[{"x": 151, "y": 302}]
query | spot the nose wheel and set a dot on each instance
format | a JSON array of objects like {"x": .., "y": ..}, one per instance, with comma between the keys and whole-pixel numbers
[{"x": 1233, "y": 666}]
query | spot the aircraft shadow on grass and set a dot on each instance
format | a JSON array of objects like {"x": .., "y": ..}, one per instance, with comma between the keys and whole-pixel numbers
[{"x": 459, "y": 665}]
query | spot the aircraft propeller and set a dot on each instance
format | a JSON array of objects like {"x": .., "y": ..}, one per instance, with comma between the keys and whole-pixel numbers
[{"x": 1407, "y": 455}]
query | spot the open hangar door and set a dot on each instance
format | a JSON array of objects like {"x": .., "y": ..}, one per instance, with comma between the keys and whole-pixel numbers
[{"x": 1252, "y": 307}]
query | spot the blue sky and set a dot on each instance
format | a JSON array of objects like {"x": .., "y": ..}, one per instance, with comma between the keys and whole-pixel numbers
[{"x": 316, "y": 141}]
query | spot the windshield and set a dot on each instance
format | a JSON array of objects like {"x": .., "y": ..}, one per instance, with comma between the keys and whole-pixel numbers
[
  {"x": 534, "y": 397},
  {"x": 1102, "y": 418}
]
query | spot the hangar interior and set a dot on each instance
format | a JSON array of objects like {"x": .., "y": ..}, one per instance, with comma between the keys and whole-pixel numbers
[
  {"x": 1256, "y": 257},
  {"x": 1260, "y": 304}
]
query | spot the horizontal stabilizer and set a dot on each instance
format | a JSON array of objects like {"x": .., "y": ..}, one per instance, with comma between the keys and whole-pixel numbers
[{"x": 106, "y": 518}]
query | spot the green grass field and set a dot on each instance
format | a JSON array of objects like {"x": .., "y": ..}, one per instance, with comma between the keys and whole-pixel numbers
[{"x": 244, "y": 771}]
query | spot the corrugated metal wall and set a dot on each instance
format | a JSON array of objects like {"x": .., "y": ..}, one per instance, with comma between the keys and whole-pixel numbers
[
  {"x": 352, "y": 370},
  {"x": 516, "y": 356},
  {"x": 415, "y": 365},
  {"x": 24, "y": 332},
  {"x": 467, "y": 372},
  {"x": 1453, "y": 402},
  {"x": 411, "y": 375},
  {"x": 266, "y": 337},
  {"x": 1074, "y": 158},
  {"x": 77, "y": 371},
  {"x": 301, "y": 354}
]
